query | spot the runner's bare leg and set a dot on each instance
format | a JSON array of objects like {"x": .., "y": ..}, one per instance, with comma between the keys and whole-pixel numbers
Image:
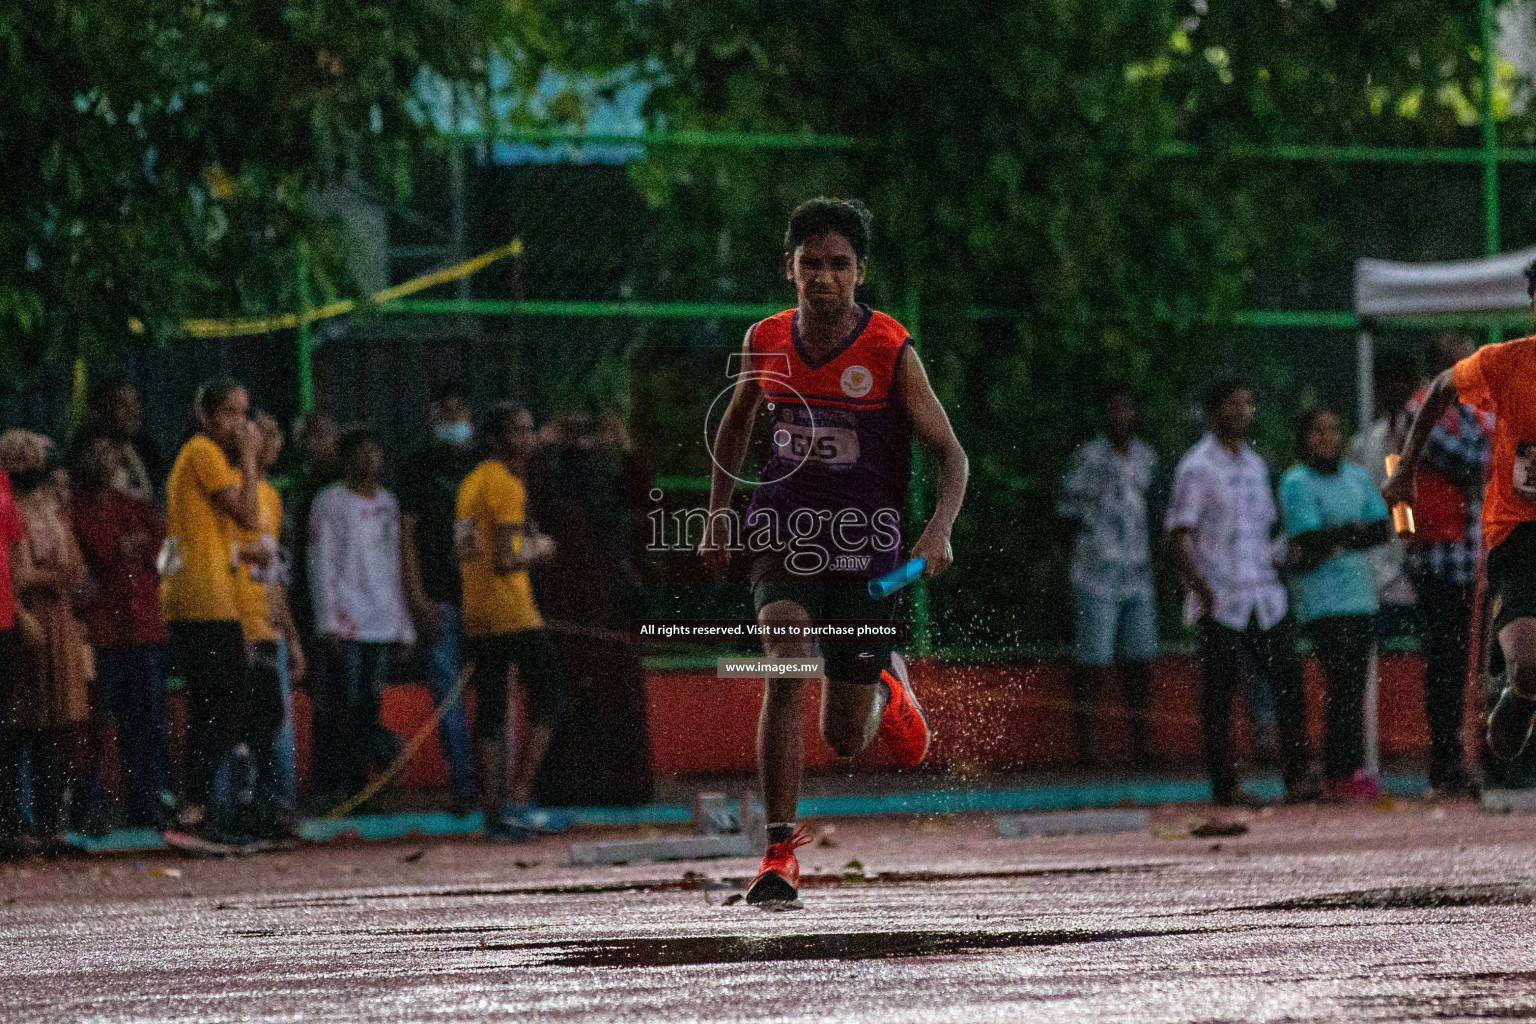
[
  {"x": 1518, "y": 641},
  {"x": 780, "y": 727},
  {"x": 850, "y": 715}
]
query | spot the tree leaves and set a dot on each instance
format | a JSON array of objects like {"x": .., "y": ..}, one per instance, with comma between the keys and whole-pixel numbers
[{"x": 158, "y": 155}]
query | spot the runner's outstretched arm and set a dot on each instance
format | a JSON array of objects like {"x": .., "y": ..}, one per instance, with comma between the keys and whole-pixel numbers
[
  {"x": 730, "y": 450},
  {"x": 1442, "y": 392},
  {"x": 914, "y": 393}
]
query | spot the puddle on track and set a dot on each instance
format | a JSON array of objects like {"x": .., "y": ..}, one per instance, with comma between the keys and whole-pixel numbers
[
  {"x": 695, "y": 950},
  {"x": 1410, "y": 897}
]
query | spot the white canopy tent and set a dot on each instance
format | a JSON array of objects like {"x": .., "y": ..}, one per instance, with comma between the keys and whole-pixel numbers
[
  {"x": 1472, "y": 292},
  {"x": 1407, "y": 294}
]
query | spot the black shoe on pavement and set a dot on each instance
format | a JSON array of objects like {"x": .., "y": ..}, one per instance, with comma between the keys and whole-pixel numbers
[
  {"x": 55, "y": 844},
  {"x": 1306, "y": 790},
  {"x": 463, "y": 801},
  {"x": 1509, "y": 724},
  {"x": 94, "y": 822},
  {"x": 1450, "y": 782},
  {"x": 274, "y": 823}
]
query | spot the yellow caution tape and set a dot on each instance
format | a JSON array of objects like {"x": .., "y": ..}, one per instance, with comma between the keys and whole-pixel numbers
[
  {"x": 368, "y": 792},
  {"x": 207, "y": 328},
  {"x": 448, "y": 702}
]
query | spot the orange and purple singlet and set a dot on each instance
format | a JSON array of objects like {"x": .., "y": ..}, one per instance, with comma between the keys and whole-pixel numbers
[{"x": 834, "y": 490}]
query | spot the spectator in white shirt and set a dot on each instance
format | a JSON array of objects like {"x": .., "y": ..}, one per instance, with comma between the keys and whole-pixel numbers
[
  {"x": 1219, "y": 523},
  {"x": 360, "y": 612},
  {"x": 1104, "y": 502}
]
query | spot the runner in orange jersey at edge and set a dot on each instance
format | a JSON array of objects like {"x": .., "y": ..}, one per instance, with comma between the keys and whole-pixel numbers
[{"x": 1500, "y": 379}]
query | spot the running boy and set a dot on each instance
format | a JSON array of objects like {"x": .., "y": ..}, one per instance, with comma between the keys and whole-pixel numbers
[{"x": 844, "y": 390}]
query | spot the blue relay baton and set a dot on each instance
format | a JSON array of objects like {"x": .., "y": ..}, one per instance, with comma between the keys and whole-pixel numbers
[{"x": 885, "y": 586}]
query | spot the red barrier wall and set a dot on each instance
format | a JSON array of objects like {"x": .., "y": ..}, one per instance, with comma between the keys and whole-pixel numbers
[{"x": 985, "y": 717}]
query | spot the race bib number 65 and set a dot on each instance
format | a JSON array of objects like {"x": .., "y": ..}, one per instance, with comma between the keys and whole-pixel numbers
[{"x": 830, "y": 445}]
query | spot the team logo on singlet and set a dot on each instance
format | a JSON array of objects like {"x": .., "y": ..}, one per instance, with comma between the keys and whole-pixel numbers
[{"x": 857, "y": 381}]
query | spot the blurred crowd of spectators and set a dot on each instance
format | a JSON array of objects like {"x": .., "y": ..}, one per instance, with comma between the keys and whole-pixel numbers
[
  {"x": 1266, "y": 562},
  {"x": 118, "y": 574}
]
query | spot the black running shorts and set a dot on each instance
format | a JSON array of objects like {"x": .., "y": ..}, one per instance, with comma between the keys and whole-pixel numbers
[
  {"x": 1512, "y": 577},
  {"x": 831, "y": 598}
]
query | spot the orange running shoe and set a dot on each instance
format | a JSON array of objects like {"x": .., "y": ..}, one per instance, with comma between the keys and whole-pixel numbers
[
  {"x": 778, "y": 880},
  {"x": 903, "y": 725}
]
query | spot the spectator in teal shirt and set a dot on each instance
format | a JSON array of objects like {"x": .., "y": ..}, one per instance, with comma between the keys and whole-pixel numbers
[{"x": 1333, "y": 513}]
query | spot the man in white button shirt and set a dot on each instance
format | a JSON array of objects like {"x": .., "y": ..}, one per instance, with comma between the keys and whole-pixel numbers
[
  {"x": 1219, "y": 523},
  {"x": 1104, "y": 500}
]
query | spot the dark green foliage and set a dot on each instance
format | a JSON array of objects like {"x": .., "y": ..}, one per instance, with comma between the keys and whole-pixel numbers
[
  {"x": 1016, "y": 160},
  {"x": 158, "y": 155}
]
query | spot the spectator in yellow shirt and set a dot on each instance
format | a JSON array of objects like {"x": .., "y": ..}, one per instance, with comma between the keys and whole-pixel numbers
[
  {"x": 503, "y": 628},
  {"x": 207, "y": 501}
]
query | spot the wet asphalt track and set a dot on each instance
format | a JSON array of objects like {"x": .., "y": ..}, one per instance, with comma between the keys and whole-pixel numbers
[{"x": 1412, "y": 913}]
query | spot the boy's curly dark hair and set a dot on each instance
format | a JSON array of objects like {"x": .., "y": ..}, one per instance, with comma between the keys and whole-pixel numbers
[{"x": 848, "y": 217}]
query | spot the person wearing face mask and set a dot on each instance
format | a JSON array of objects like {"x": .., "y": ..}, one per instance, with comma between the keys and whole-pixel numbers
[
  {"x": 429, "y": 490},
  {"x": 1333, "y": 513}
]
